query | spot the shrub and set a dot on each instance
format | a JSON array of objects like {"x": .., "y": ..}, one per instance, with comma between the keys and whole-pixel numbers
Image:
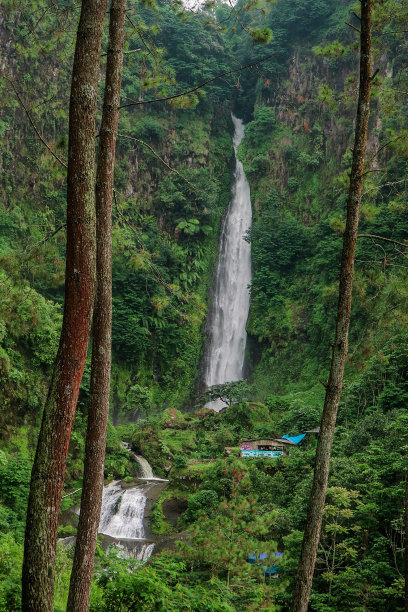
[{"x": 179, "y": 461}]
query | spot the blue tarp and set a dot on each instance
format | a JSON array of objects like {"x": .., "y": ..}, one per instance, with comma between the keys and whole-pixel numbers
[
  {"x": 295, "y": 439},
  {"x": 269, "y": 571}
]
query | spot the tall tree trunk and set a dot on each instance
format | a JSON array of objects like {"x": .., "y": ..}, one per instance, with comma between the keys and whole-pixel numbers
[
  {"x": 406, "y": 543},
  {"x": 323, "y": 452},
  {"x": 48, "y": 472},
  {"x": 81, "y": 576}
]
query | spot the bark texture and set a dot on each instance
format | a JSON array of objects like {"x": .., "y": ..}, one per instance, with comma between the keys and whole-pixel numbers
[
  {"x": 311, "y": 536},
  {"x": 81, "y": 576},
  {"x": 406, "y": 543},
  {"x": 48, "y": 472}
]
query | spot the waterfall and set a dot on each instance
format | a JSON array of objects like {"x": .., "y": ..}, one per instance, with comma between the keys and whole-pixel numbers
[
  {"x": 122, "y": 518},
  {"x": 145, "y": 468},
  {"x": 226, "y": 334},
  {"x": 123, "y": 512}
]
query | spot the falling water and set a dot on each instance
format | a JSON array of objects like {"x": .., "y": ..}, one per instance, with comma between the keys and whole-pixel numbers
[
  {"x": 226, "y": 335},
  {"x": 123, "y": 512},
  {"x": 145, "y": 470}
]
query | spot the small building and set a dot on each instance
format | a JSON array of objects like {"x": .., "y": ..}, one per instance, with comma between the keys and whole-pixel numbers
[{"x": 266, "y": 447}]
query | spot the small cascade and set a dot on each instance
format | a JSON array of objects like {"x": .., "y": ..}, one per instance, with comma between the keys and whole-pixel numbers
[
  {"x": 226, "y": 335},
  {"x": 123, "y": 512},
  {"x": 145, "y": 468},
  {"x": 135, "y": 550}
]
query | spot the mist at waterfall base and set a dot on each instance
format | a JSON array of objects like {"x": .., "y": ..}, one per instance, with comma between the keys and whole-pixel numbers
[{"x": 226, "y": 334}]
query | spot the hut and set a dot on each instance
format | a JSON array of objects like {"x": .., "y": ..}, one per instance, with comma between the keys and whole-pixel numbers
[{"x": 266, "y": 447}]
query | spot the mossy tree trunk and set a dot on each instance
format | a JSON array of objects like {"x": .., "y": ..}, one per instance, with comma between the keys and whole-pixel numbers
[
  {"x": 81, "y": 576},
  {"x": 47, "y": 478},
  {"x": 406, "y": 543},
  {"x": 323, "y": 452}
]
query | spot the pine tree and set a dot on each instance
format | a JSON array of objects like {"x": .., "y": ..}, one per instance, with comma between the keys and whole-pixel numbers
[
  {"x": 47, "y": 476},
  {"x": 323, "y": 452},
  {"x": 92, "y": 490}
]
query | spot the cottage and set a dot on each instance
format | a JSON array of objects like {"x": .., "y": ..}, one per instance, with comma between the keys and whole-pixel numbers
[{"x": 266, "y": 447}]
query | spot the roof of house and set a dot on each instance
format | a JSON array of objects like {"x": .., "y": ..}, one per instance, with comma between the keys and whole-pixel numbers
[
  {"x": 278, "y": 440},
  {"x": 284, "y": 441},
  {"x": 258, "y": 439}
]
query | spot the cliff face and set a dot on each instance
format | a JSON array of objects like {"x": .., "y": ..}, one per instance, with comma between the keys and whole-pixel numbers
[
  {"x": 173, "y": 183},
  {"x": 297, "y": 155}
]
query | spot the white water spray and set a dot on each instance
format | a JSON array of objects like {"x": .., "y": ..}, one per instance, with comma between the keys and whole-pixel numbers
[
  {"x": 123, "y": 512},
  {"x": 226, "y": 334}
]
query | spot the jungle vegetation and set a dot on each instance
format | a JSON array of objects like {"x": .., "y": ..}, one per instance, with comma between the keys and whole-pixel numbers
[{"x": 172, "y": 185}]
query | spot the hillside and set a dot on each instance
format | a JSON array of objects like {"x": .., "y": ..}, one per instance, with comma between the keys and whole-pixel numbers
[{"x": 173, "y": 180}]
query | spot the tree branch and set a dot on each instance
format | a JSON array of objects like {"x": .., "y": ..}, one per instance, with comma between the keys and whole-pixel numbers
[
  {"x": 126, "y": 52},
  {"x": 160, "y": 158},
  {"x": 45, "y": 239},
  {"x": 351, "y": 26},
  {"x": 374, "y": 74},
  {"x": 68, "y": 494},
  {"x": 36, "y": 130},
  {"x": 404, "y": 244},
  {"x": 185, "y": 93},
  {"x": 381, "y": 148}
]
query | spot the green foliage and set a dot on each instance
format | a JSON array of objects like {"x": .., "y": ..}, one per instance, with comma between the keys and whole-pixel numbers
[
  {"x": 299, "y": 107},
  {"x": 11, "y": 560},
  {"x": 149, "y": 128},
  {"x": 202, "y": 500},
  {"x": 229, "y": 392},
  {"x": 162, "y": 585},
  {"x": 334, "y": 49},
  {"x": 158, "y": 520},
  {"x": 326, "y": 95},
  {"x": 172, "y": 418},
  {"x": 261, "y": 35},
  {"x": 225, "y": 537},
  {"x": 260, "y": 128},
  {"x": 15, "y": 472},
  {"x": 179, "y": 461}
]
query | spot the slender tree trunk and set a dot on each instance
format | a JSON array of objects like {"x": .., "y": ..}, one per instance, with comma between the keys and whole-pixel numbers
[
  {"x": 81, "y": 577},
  {"x": 323, "y": 452},
  {"x": 48, "y": 472},
  {"x": 406, "y": 543}
]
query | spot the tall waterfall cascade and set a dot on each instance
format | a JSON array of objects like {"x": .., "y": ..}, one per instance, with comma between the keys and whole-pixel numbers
[{"x": 228, "y": 313}]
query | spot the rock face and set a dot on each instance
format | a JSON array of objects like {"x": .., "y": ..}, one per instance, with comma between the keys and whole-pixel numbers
[{"x": 172, "y": 509}]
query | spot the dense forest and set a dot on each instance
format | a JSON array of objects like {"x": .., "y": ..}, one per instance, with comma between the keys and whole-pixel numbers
[{"x": 290, "y": 70}]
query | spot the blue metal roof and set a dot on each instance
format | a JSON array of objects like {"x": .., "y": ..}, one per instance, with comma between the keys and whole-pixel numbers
[{"x": 295, "y": 439}]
